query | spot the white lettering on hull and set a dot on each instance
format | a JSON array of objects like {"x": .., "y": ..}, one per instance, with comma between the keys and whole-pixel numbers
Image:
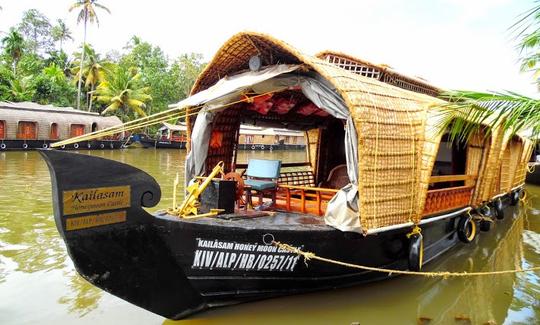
[{"x": 233, "y": 256}]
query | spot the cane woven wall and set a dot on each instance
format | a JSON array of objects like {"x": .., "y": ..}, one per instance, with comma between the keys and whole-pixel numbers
[
  {"x": 223, "y": 140},
  {"x": 521, "y": 170},
  {"x": 489, "y": 167},
  {"x": 312, "y": 137},
  {"x": 510, "y": 158}
]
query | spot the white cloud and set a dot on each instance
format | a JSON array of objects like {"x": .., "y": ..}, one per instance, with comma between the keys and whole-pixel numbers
[{"x": 453, "y": 43}]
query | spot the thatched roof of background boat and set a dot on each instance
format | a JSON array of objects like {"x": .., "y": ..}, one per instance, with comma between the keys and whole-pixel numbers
[
  {"x": 255, "y": 130},
  {"x": 173, "y": 127},
  {"x": 46, "y": 115}
]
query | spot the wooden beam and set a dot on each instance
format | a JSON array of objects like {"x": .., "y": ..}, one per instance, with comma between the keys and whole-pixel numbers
[{"x": 451, "y": 178}]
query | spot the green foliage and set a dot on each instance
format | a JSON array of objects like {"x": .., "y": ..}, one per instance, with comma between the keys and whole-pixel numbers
[
  {"x": 468, "y": 110},
  {"x": 13, "y": 45},
  {"x": 168, "y": 83},
  {"x": 140, "y": 79},
  {"x": 36, "y": 29},
  {"x": 30, "y": 64},
  {"x": 87, "y": 10},
  {"x": 52, "y": 87},
  {"x": 93, "y": 67},
  {"x": 60, "y": 32},
  {"x": 185, "y": 70},
  {"x": 18, "y": 90},
  {"x": 61, "y": 60},
  {"x": 123, "y": 93}
]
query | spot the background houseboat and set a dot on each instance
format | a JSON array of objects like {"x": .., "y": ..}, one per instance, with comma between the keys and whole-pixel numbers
[
  {"x": 534, "y": 166},
  {"x": 258, "y": 138},
  {"x": 27, "y": 125},
  {"x": 383, "y": 186},
  {"x": 169, "y": 136}
]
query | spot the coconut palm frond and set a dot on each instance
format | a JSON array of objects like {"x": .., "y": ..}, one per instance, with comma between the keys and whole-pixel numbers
[
  {"x": 111, "y": 108},
  {"x": 466, "y": 111},
  {"x": 102, "y": 7},
  {"x": 523, "y": 24}
]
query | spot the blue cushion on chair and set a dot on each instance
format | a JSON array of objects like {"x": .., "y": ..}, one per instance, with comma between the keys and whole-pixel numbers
[
  {"x": 260, "y": 185},
  {"x": 263, "y": 168}
]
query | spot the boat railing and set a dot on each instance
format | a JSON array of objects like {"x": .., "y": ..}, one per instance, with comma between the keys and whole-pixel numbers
[
  {"x": 295, "y": 173},
  {"x": 304, "y": 199},
  {"x": 449, "y": 198}
]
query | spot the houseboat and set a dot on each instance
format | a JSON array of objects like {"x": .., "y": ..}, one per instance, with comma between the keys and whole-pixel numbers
[
  {"x": 534, "y": 166},
  {"x": 26, "y": 125},
  {"x": 258, "y": 138},
  {"x": 169, "y": 136},
  {"x": 382, "y": 186}
]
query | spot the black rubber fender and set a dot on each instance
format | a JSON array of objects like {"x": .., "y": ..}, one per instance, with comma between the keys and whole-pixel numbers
[
  {"x": 416, "y": 252},
  {"x": 466, "y": 229},
  {"x": 498, "y": 209},
  {"x": 485, "y": 225},
  {"x": 514, "y": 198}
]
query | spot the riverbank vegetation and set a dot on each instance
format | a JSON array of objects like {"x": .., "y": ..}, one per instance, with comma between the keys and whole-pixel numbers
[{"x": 136, "y": 80}]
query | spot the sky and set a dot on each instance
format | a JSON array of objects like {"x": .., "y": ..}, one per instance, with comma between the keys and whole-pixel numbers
[{"x": 454, "y": 44}]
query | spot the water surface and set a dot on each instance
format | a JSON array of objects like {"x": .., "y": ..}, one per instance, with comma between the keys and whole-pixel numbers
[{"x": 38, "y": 283}]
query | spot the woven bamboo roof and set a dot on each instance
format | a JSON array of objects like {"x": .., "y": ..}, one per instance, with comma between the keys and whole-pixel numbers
[
  {"x": 31, "y": 106},
  {"x": 386, "y": 72},
  {"x": 29, "y": 111}
]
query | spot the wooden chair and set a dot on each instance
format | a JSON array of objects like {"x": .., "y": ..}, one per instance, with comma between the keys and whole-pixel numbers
[
  {"x": 262, "y": 176},
  {"x": 337, "y": 178}
]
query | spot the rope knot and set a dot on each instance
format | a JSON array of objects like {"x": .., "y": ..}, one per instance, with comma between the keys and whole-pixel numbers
[
  {"x": 246, "y": 98},
  {"x": 415, "y": 231}
]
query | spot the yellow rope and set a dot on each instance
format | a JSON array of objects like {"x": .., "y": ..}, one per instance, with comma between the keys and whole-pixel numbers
[
  {"x": 146, "y": 121},
  {"x": 531, "y": 168},
  {"x": 415, "y": 231},
  {"x": 309, "y": 256}
]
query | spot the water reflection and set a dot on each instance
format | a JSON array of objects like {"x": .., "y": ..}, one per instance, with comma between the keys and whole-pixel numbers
[
  {"x": 37, "y": 278},
  {"x": 82, "y": 298}
]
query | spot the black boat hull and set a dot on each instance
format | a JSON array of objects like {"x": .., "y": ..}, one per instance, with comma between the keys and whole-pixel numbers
[
  {"x": 177, "y": 267},
  {"x": 151, "y": 143},
  {"x": 256, "y": 146},
  {"x": 44, "y": 144}
]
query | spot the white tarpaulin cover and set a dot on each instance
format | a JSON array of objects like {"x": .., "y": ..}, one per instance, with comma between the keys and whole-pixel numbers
[{"x": 342, "y": 210}]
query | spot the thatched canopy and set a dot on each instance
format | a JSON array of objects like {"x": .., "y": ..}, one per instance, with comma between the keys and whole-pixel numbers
[
  {"x": 396, "y": 128},
  {"x": 390, "y": 123}
]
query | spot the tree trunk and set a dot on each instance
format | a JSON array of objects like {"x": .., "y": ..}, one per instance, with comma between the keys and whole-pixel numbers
[
  {"x": 91, "y": 98},
  {"x": 82, "y": 60}
]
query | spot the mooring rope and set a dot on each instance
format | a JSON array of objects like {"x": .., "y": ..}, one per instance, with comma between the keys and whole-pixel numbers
[
  {"x": 151, "y": 120},
  {"x": 309, "y": 256}
]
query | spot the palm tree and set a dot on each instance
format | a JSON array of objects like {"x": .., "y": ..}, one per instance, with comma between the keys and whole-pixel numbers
[
  {"x": 123, "y": 93},
  {"x": 509, "y": 110},
  {"x": 61, "y": 33},
  {"x": 87, "y": 14},
  {"x": 13, "y": 46},
  {"x": 19, "y": 90},
  {"x": 93, "y": 72}
]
